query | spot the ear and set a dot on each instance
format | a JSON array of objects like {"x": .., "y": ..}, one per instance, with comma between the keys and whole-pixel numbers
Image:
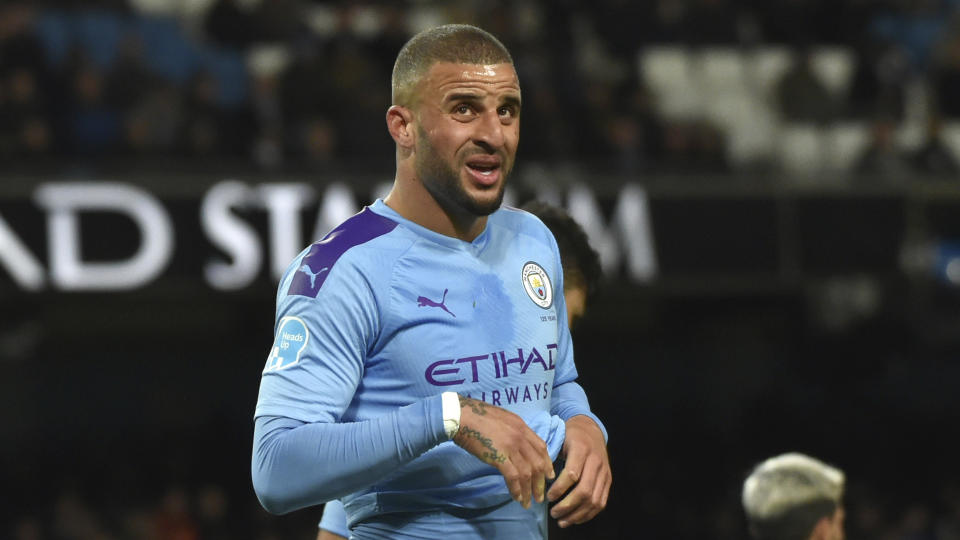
[
  {"x": 400, "y": 125},
  {"x": 821, "y": 531}
]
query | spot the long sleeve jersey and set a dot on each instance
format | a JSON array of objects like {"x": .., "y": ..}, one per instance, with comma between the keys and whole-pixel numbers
[{"x": 378, "y": 319}]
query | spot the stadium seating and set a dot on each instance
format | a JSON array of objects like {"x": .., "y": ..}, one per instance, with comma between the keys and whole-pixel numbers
[{"x": 734, "y": 88}]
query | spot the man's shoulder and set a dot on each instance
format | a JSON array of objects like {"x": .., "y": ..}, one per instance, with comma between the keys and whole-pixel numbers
[
  {"x": 522, "y": 223},
  {"x": 354, "y": 244}
]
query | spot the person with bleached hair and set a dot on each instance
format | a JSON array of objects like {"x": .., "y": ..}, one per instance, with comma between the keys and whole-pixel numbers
[{"x": 794, "y": 497}]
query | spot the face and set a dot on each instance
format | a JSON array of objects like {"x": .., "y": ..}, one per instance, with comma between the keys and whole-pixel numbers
[
  {"x": 468, "y": 130},
  {"x": 576, "y": 297}
]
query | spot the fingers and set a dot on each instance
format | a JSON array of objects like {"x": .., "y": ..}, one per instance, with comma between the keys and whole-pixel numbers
[
  {"x": 570, "y": 474},
  {"x": 512, "y": 476},
  {"x": 540, "y": 465},
  {"x": 590, "y": 507},
  {"x": 502, "y": 439},
  {"x": 533, "y": 466},
  {"x": 588, "y": 497}
]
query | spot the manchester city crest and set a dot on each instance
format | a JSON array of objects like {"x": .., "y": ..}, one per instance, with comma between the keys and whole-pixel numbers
[{"x": 537, "y": 284}]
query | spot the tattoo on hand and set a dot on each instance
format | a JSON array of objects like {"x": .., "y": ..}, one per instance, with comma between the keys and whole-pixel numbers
[
  {"x": 493, "y": 456},
  {"x": 478, "y": 407}
]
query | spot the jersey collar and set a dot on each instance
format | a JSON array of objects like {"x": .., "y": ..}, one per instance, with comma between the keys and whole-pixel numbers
[{"x": 479, "y": 242}]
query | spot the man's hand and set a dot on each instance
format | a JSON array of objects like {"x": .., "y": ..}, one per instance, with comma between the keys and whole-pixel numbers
[
  {"x": 587, "y": 470},
  {"x": 324, "y": 534},
  {"x": 500, "y": 438}
]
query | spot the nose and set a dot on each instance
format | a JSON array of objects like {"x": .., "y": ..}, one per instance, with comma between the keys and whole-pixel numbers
[{"x": 489, "y": 131}]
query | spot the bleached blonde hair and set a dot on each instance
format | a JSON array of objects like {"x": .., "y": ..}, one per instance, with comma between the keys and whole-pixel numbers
[{"x": 785, "y": 496}]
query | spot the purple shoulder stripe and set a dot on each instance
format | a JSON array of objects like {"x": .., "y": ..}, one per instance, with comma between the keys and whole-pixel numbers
[{"x": 317, "y": 263}]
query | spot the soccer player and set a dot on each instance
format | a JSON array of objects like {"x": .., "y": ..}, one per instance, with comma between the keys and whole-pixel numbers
[
  {"x": 794, "y": 497},
  {"x": 581, "y": 277},
  {"x": 422, "y": 369}
]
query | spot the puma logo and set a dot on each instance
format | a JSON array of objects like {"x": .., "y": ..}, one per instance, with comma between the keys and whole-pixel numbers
[
  {"x": 313, "y": 275},
  {"x": 424, "y": 301}
]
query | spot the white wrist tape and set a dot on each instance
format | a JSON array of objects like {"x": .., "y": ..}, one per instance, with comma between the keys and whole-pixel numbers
[{"x": 451, "y": 413}]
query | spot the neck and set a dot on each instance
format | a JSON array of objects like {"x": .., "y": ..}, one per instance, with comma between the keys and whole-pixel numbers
[{"x": 412, "y": 200}]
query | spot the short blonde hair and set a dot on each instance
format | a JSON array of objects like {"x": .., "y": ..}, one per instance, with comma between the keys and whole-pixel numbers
[
  {"x": 456, "y": 43},
  {"x": 785, "y": 496}
]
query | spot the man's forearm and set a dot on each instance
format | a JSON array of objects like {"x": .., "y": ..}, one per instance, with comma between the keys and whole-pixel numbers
[
  {"x": 569, "y": 400},
  {"x": 296, "y": 464}
]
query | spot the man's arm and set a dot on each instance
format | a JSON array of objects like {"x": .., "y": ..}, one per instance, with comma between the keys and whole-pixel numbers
[
  {"x": 297, "y": 464},
  {"x": 569, "y": 400}
]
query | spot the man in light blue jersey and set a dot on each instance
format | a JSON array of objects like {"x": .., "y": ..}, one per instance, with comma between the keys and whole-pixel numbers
[
  {"x": 581, "y": 278},
  {"x": 420, "y": 372}
]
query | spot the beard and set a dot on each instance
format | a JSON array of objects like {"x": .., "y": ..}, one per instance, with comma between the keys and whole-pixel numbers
[{"x": 446, "y": 186}]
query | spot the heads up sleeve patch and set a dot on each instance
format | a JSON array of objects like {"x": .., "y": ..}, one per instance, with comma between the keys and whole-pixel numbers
[{"x": 289, "y": 343}]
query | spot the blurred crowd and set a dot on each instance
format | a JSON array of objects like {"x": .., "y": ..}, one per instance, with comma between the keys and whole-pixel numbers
[
  {"x": 300, "y": 85},
  {"x": 304, "y": 84},
  {"x": 211, "y": 512}
]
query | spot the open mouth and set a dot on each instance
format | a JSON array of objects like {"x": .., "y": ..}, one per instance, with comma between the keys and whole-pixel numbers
[{"x": 486, "y": 169}]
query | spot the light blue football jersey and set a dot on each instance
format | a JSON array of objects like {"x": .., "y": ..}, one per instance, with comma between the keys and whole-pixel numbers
[
  {"x": 373, "y": 323},
  {"x": 334, "y": 519}
]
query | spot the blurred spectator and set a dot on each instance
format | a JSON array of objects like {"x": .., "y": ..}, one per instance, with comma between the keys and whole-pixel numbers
[
  {"x": 793, "y": 22},
  {"x": 391, "y": 36},
  {"x": 933, "y": 157},
  {"x": 211, "y": 130},
  {"x": 916, "y": 523},
  {"x": 173, "y": 520},
  {"x": 94, "y": 123},
  {"x": 801, "y": 95},
  {"x": 129, "y": 78},
  {"x": 626, "y": 25},
  {"x": 879, "y": 80},
  {"x": 19, "y": 46},
  {"x": 213, "y": 515},
  {"x": 232, "y": 23},
  {"x": 24, "y": 119},
  {"x": 713, "y": 22},
  {"x": 28, "y": 528},
  {"x": 946, "y": 77},
  {"x": 882, "y": 158},
  {"x": 315, "y": 143},
  {"x": 152, "y": 125},
  {"x": 74, "y": 519},
  {"x": 667, "y": 22},
  {"x": 26, "y": 128},
  {"x": 266, "y": 108},
  {"x": 914, "y": 26},
  {"x": 793, "y": 496},
  {"x": 541, "y": 102},
  {"x": 634, "y": 134},
  {"x": 948, "y": 523},
  {"x": 696, "y": 147},
  {"x": 277, "y": 20},
  {"x": 361, "y": 96},
  {"x": 313, "y": 108}
]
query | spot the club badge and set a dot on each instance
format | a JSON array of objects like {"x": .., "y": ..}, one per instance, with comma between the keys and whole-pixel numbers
[{"x": 537, "y": 284}]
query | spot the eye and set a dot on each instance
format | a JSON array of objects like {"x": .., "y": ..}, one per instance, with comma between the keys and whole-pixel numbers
[
  {"x": 507, "y": 110},
  {"x": 462, "y": 108}
]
